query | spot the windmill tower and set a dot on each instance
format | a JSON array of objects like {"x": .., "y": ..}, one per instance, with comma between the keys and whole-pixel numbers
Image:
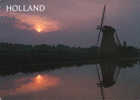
[{"x": 109, "y": 42}]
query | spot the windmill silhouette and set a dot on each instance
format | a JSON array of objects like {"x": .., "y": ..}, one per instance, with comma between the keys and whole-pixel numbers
[{"x": 108, "y": 41}]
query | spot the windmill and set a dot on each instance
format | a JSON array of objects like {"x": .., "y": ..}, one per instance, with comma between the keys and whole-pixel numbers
[{"x": 109, "y": 43}]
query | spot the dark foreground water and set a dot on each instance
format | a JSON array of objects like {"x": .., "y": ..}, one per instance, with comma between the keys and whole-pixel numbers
[{"x": 104, "y": 81}]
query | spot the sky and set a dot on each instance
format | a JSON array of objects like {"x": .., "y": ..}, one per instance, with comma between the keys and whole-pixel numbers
[{"x": 69, "y": 22}]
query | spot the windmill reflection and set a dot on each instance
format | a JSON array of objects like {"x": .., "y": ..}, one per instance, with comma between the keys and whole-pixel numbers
[{"x": 108, "y": 73}]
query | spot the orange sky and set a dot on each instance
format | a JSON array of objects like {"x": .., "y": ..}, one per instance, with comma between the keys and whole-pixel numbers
[{"x": 34, "y": 22}]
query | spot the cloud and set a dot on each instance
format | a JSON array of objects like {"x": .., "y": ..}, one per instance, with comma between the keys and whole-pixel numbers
[{"x": 32, "y": 22}]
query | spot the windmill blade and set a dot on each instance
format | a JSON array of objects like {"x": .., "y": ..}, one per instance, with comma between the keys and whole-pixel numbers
[
  {"x": 98, "y": 73},
  {"x": 98, "y": 37},
  {"x": 102, "y": 22},
  {"x": 100, "y": 84},
  {"x": 118, "y": 40},
  {"x": 103, "y": 16}
]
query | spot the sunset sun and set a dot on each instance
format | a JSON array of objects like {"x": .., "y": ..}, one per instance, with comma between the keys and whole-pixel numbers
[{"x": 38, "y": 28}]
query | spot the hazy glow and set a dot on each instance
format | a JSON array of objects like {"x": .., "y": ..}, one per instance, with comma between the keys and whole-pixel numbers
[
  {"x": 32, "y": 84},
  {"x": 39, "y": 79},
  {"x": 34, "y": 22},
  {"x": 38, "y": 83},
  {"x": 39, "y": 24},
  {"x": 38, "y": 28}
]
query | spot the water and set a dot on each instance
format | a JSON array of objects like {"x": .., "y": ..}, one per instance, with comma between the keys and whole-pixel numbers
[{"x": 113, "y": 82}]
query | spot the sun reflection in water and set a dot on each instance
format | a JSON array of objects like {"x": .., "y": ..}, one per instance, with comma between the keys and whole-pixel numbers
[
  {"x": 32, "y": 84},
  {"x": 39, "y": 78}
]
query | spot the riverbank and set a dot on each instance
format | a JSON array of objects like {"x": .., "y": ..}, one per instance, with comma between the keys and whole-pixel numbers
[{"x": 28, "y": 58}]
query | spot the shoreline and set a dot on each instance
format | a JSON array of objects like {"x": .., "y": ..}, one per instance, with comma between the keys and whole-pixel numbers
[{"x": 30, "y": 68}]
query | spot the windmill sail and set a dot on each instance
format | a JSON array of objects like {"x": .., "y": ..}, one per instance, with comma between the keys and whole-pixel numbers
[{"x": 102, "y": 22}]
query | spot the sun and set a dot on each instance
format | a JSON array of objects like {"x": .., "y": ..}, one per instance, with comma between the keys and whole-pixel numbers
[{"x": 38, "y": 28}]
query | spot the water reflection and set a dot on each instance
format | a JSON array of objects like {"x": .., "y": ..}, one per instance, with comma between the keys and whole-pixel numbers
[
  {"x": 115, "y": 81},
  {"x": 108, "y": 72},
  {"x": 24, "y": 85}
]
